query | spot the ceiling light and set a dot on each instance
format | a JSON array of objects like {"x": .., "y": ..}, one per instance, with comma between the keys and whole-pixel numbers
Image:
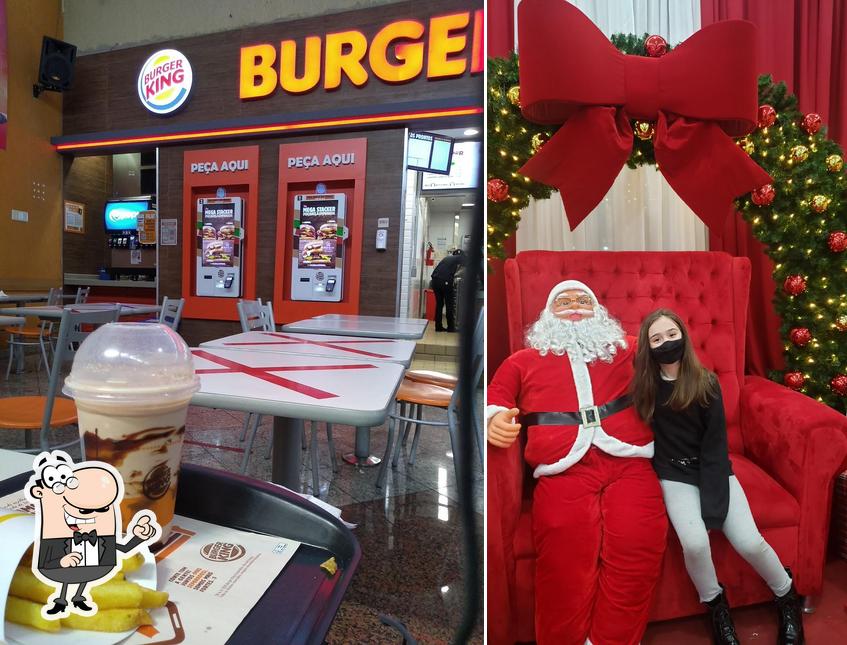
[
  {"x": 471, "y": 131},
  {"x": 468, "y": 205}
]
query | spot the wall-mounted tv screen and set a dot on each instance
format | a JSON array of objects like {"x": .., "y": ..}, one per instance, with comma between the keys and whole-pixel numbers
[
  {"x": 122, "y": 215},
  {"x": 429, "y": 152}
]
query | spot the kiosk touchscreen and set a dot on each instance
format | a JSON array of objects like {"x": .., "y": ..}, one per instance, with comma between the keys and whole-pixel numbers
[
  {"x": 317, "y": 262},
  {"x": 219, "y": 239}
]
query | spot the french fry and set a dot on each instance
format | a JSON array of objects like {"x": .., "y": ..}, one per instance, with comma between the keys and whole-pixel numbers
[
  {"x": 109, "y": 620},
  {"x": 26, "y": 561},
  {"x": 26, "y": 612},
  {"x": 26, "y": 585},
  {"x": 151, "y": 598},
  {"x": 132, "y": 564},
  {"x": 117, "y": 594},
  {"x": 119, "y": 575}
]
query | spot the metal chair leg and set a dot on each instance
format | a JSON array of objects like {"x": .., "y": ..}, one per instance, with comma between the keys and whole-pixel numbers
[
  {"x": 249, "y": 447},
  {"x": 316, "y": 467},
  {"x": 417, "y": 436},
  {"x": 389, "y": 444},
  {"x": 454, "y": 445},
  {"x": 332, "y": 456},
  {"x": 406, "y": 424},
  {"x": 11, "y": 357},
  {"x": 247, "y": 418},
  {"x": 399, "y": 447}
]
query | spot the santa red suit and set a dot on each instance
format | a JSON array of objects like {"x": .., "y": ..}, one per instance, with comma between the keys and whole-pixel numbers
[{"x": 599, "y": 523}]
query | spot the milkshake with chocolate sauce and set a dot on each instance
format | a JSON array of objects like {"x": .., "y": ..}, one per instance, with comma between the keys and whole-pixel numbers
[{"x": 132, "y": 383}]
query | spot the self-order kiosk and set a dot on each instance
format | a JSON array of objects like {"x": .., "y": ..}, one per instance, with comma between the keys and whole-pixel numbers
[
  {"x": 219, "y": 246},
  {"x": 317, "y": 262}
]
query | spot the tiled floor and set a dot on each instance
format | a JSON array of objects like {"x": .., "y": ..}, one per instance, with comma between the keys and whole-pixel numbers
[{"x": 410, "y": 532}]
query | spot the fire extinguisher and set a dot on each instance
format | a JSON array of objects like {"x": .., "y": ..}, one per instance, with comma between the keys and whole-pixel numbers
[{"x": 429, "y": 254}]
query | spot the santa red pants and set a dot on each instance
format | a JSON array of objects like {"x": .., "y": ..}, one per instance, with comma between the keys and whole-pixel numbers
[{"x": 600, "y": 532}]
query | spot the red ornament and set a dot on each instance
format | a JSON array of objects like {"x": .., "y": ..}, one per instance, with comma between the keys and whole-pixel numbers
[
  {"x": 498, "y": 190},
  {"x": 763, "y": 196},
  {"x": 837, "y": 241},
  {"x": 812, "y": 122},
  {"x": 839, "y": 384},
  {"x": 767, "y": 116},
  {"x": 794, "y": 380},
  {"x": 656, "y": 46},
  {"x": 794, "y": 285},
  {"x": 800, "y": 336}
]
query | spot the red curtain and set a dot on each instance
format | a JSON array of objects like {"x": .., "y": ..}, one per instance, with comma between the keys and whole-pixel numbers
[
  {"x": 801, "y": 42},
  {"x": 501, "y": 41}
]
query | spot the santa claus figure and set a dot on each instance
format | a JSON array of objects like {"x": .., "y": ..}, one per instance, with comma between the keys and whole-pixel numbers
[{"x": 598, "y": 521}]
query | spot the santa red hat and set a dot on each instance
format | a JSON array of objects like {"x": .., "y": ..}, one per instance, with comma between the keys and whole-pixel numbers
[{"x": 567, "y": 285}]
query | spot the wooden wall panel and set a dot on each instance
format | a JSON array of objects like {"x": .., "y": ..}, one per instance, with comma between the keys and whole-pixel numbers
[
  {"x": 87, "y": 180},
  {"x": 383, "y": 195},
  {"x": 104, "y": 95}
]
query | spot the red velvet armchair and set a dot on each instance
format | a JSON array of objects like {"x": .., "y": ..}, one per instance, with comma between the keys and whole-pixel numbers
[{"x": 785, "y": 447}]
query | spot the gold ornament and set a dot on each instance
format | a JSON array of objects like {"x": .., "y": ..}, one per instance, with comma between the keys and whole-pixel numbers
[
  {"x": 799, "y": 154},
  {"x": 820, "y": 203},
  {"x": 747, "y": 146},
  {"x": 841, "y": 322},
  {"x": 834, "y": 163},
  {"x": 538, "y": 140},
  {"x": 514, "y": 95},
  {"x": 644, "y": 130}
]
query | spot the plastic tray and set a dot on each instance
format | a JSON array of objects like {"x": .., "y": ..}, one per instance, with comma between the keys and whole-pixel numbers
[{"x": 301, "y": 603}]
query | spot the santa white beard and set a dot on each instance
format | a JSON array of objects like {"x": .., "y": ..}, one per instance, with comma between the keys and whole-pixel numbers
[{"x": 588, "y": 339}]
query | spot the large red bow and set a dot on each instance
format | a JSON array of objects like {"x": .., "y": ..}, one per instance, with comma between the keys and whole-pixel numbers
[{"x": 699, "y": 95}]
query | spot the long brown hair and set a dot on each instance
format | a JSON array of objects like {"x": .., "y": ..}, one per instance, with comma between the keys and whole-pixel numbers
[{"x": 693, "y": 384}]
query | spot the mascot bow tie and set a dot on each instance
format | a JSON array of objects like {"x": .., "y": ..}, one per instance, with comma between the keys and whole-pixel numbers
[
  {"x": 90, "y": 537},
  {"x": 699, "y": 95}
]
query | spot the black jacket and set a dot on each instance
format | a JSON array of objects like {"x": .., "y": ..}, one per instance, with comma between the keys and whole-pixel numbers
[
  {"x": 691, "y": 447},
  {"x": 446, "y": 269}
]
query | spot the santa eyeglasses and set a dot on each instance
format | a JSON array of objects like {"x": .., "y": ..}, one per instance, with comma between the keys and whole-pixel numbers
[{"x": 567, "y": 301}]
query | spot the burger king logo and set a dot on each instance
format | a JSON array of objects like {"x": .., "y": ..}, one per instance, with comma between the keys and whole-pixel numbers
[{"x": 164, "y": 81}]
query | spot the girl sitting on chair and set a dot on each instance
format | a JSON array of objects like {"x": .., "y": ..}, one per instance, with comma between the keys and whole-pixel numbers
[{"x": 681, "y": 400}]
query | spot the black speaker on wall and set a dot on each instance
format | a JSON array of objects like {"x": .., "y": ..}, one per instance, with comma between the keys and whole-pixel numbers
[{"x": 56, "y": 69}]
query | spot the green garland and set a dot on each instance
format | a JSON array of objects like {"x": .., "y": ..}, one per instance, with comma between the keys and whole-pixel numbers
[{"x": 795, "y": 235}]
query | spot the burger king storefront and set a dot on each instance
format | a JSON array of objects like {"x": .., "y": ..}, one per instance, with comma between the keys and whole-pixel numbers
[{"x": 266, "y": 162}]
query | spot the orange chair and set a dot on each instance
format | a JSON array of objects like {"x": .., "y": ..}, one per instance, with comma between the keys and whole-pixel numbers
[
  {"x": 49, "y": 411},
  {"x": 21, "y": 337}
]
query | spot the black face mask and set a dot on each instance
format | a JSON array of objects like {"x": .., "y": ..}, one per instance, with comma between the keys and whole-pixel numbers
[{"x": 669, "y": 352}]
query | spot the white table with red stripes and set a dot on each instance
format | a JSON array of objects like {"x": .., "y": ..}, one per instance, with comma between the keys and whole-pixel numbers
[
  {"x": 292, "y": 388},
  {"x": 355, "y": 325},
  {"x": 344, "y": 347},
  {"x": 349, "y": 347}
]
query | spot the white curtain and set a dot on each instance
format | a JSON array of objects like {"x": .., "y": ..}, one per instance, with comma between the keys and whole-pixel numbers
[{"x": 641, "y": 212}]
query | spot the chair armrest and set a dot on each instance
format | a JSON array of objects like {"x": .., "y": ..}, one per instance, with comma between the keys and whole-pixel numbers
[
  {"x": 803, "y": 445},
  {"x": 504, "y": 475}
]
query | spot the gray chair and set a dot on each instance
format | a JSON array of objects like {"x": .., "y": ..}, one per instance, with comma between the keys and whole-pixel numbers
[
  {"x": 49, "y": 411},
  {"x": 82, "y": 295},
  {"x": 423, "y": 394},
  {"x": 171, "y": 312},
  {"x": 21, "y": 337}
]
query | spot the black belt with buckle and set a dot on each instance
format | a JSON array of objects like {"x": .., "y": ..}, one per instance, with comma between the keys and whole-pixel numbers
[
  {"x": 685, "y": 462},
  {"x": 589, "y": 417}
]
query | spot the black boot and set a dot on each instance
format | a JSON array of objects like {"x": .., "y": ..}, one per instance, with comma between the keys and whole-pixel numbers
[
  {"x": 790, "y": 617},
  {"x": 723, "y": 630}
]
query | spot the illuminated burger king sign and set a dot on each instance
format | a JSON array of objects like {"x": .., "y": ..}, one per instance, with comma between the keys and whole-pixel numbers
[{"x": 164, "y": 81}]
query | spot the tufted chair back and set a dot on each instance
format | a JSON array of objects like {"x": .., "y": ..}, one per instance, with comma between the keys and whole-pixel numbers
[{"x": 708, "y": 290}]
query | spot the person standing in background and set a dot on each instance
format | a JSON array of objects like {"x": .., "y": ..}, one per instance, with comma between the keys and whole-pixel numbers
[{"x": 442, "y": 285}]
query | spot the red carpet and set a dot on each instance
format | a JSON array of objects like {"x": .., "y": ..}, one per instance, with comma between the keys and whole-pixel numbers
[{"x": 757, "y": 623}]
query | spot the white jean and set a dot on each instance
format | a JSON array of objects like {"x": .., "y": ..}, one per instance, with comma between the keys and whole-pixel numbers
[{"x": 683, "y": 504}]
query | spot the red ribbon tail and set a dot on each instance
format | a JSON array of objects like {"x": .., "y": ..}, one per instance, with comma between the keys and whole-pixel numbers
[
  {"x": 705, "y": 167},
  {"x": 583, "y": 159}
]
